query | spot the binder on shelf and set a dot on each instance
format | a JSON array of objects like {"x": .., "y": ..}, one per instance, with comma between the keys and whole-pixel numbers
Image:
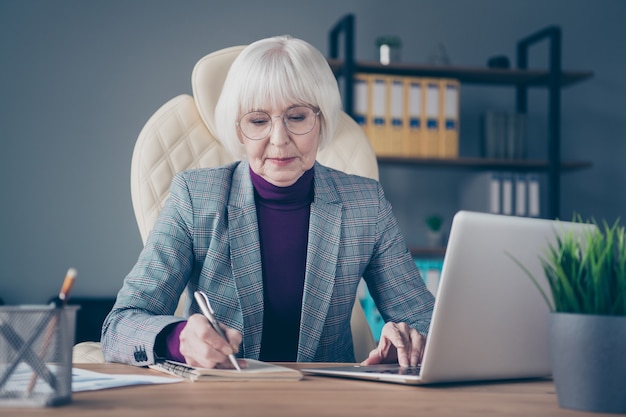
[
  {"x": 521, "y": 191},
  {"x": 534, "y": 207},
  {"x": 396, "y": 104},
  {"x": 361, "y": 101},
  {"x": 495, "y": 191},
  {"x": 433, "y": 109},
  {"x": 378, "y": 114},
  {"x": 449, "y": 118},
  {"x": 415, "y": 115},
  {"x": 507, "y": 193}
]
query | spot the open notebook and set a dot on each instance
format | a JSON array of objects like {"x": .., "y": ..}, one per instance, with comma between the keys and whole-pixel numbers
[
  {"x": 252, "y": 370},
  {"x": 489, "y": 320}
]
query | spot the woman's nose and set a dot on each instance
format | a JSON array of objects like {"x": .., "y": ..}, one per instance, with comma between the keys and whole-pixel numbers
[{"x": 279, "y": 135}]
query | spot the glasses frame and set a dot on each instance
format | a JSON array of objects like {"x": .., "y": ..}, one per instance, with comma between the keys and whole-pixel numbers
[{"x": 282, "y": 118}]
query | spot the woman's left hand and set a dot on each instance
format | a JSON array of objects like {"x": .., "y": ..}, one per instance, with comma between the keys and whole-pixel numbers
[{"x": 398, "y": 342}]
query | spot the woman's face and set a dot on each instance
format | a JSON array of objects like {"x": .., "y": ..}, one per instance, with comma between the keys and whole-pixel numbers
[{"x": 281, "y": 157}]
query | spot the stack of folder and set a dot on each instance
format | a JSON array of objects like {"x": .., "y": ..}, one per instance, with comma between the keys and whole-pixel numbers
[
  {"x": 504, "y": 192},
  {"x": 504, "y": 135},
  {"x": 408, "y": 116}
]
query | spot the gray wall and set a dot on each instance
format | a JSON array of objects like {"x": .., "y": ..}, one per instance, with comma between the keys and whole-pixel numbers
[{"x": 78, "y": 79}]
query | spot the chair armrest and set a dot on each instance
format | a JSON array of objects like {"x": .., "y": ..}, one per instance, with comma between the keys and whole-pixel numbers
[{"x": 87, "y": 352}]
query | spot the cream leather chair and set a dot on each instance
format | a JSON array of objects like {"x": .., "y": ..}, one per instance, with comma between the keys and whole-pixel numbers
[{"x": 179, "y": 136}]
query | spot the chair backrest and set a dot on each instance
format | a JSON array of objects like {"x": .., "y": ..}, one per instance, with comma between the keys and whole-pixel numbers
[{"x": 180, "y": 136}]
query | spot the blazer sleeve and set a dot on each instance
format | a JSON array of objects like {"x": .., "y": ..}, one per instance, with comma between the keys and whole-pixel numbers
[
  {"x": 392, "y": 277},
  {"x": 150, "y": 292}
]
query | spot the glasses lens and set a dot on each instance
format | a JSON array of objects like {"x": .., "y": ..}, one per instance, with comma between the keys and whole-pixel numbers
[
  {"x": 300, "y": 120},
  {"x": 255, "y": 125}
]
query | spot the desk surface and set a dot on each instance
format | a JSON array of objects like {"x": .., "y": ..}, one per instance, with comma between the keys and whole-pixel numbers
[{"x": 312, "y": 396}]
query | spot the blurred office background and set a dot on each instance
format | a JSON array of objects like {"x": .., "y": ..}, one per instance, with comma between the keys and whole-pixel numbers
[{"x": 79, "y": 78}]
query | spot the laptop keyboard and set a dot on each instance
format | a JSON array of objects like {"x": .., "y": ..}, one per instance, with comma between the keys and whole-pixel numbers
[{"x": 412, "y": 370}]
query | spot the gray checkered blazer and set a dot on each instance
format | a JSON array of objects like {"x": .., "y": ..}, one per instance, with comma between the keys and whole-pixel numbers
[{"x": 207, "y": 238}]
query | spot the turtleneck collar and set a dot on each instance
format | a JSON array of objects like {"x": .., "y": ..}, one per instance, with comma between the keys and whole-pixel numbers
[{"x": 299, "y": 192}]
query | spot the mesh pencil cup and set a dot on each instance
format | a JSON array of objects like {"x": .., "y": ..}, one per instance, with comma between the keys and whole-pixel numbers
[{"x": 36, "y": 355}]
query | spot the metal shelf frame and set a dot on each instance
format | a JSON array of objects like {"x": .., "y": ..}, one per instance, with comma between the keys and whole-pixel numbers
[{"x": 342, "y": 39}]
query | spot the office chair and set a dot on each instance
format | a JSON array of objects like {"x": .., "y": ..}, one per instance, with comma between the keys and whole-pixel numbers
[{"x": 179, "y": 136}]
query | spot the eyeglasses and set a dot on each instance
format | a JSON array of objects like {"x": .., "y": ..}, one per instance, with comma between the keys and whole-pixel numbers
[{"x": 298, "y": 120}]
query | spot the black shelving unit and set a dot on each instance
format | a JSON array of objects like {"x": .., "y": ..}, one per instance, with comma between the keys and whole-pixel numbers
[{"x": 341, "y": 42}]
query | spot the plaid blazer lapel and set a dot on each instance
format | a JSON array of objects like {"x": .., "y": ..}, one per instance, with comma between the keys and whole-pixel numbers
[
  {"x": 245, "y": 258},
  {"x": 323, "y": 250}
]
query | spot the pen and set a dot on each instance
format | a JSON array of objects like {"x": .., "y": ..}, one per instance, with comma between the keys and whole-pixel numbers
[{"x": 205, "y": 306}]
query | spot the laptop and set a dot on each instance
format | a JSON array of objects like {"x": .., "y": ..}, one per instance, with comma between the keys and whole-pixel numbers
[{"x": 489, "y": 320}]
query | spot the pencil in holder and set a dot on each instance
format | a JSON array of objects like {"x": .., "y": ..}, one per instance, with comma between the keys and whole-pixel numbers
[{"x": 36, "y": 355}]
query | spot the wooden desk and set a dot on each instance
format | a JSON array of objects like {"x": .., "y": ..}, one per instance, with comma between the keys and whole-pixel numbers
[{"x": 312, "y": 396}]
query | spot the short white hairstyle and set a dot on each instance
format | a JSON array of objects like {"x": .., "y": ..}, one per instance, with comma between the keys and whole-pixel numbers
[{"x": 278, "y": 72}]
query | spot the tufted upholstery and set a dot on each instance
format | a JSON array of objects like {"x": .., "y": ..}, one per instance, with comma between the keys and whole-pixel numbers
[
  {"x": 173, "y": 140},
  {"x": 87, "y": 352},
  {"x": 180, "y": 136}
]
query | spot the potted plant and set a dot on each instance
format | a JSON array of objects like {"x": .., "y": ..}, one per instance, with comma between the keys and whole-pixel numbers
[
  {"x": 434, "y": 233},
  {"x": 586, "y": 275}
]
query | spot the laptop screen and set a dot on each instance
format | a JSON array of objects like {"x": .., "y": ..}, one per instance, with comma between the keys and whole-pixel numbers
[{"x": 490, "y": 321}]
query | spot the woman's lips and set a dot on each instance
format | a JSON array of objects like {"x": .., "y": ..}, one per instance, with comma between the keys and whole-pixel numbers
[{"x": 281, "y": 161}]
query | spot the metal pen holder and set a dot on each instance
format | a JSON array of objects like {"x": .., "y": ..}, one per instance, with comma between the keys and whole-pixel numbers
[{"x": 36, "y": 355}]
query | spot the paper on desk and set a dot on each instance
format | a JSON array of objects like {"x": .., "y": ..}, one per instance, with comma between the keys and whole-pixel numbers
[{"x": 83, "y": 380}]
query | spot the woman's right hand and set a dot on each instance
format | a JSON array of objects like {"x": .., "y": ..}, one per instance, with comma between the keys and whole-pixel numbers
[{"x": 203, "y": 347}]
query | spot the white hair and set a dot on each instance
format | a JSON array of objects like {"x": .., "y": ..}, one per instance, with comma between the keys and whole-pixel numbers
[{"x": 277, "y": 72}]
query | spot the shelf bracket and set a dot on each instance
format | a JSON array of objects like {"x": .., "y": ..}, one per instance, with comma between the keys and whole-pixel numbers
[
  {"x": 553, "y": 35},
  {"x": 345, "y": 26}
]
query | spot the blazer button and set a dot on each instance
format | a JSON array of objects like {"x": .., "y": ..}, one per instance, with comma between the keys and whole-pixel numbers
[{"x": 140, "y": 354}]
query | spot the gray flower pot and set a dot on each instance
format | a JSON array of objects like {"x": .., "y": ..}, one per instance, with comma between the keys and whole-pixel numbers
[{"x": 588, "y": 355}]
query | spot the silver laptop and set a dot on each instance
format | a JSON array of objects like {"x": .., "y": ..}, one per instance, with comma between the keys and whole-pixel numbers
[{"x": 489, "y": 321}]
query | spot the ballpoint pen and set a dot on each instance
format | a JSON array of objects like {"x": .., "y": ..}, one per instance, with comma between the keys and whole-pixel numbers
[{"x": 205, "y": 306}]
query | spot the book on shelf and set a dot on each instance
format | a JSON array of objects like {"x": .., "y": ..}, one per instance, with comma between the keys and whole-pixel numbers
[
  {"x": 251, "y": 370},
  {"x": 504, "y": 135}
]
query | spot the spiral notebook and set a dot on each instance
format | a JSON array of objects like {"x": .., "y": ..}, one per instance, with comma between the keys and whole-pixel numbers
[
  {"x": 489, "y": 320},
  {"x": 252, "y": 370}
]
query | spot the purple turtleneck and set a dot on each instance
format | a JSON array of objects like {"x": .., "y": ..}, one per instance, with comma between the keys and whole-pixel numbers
[{"x": 283, "y": 218}]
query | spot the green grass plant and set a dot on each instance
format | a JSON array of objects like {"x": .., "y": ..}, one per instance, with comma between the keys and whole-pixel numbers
[{"x": 586, "y": 272}]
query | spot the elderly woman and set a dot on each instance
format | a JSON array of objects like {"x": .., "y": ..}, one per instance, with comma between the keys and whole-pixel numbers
[{"x": 277, "y": 241}]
